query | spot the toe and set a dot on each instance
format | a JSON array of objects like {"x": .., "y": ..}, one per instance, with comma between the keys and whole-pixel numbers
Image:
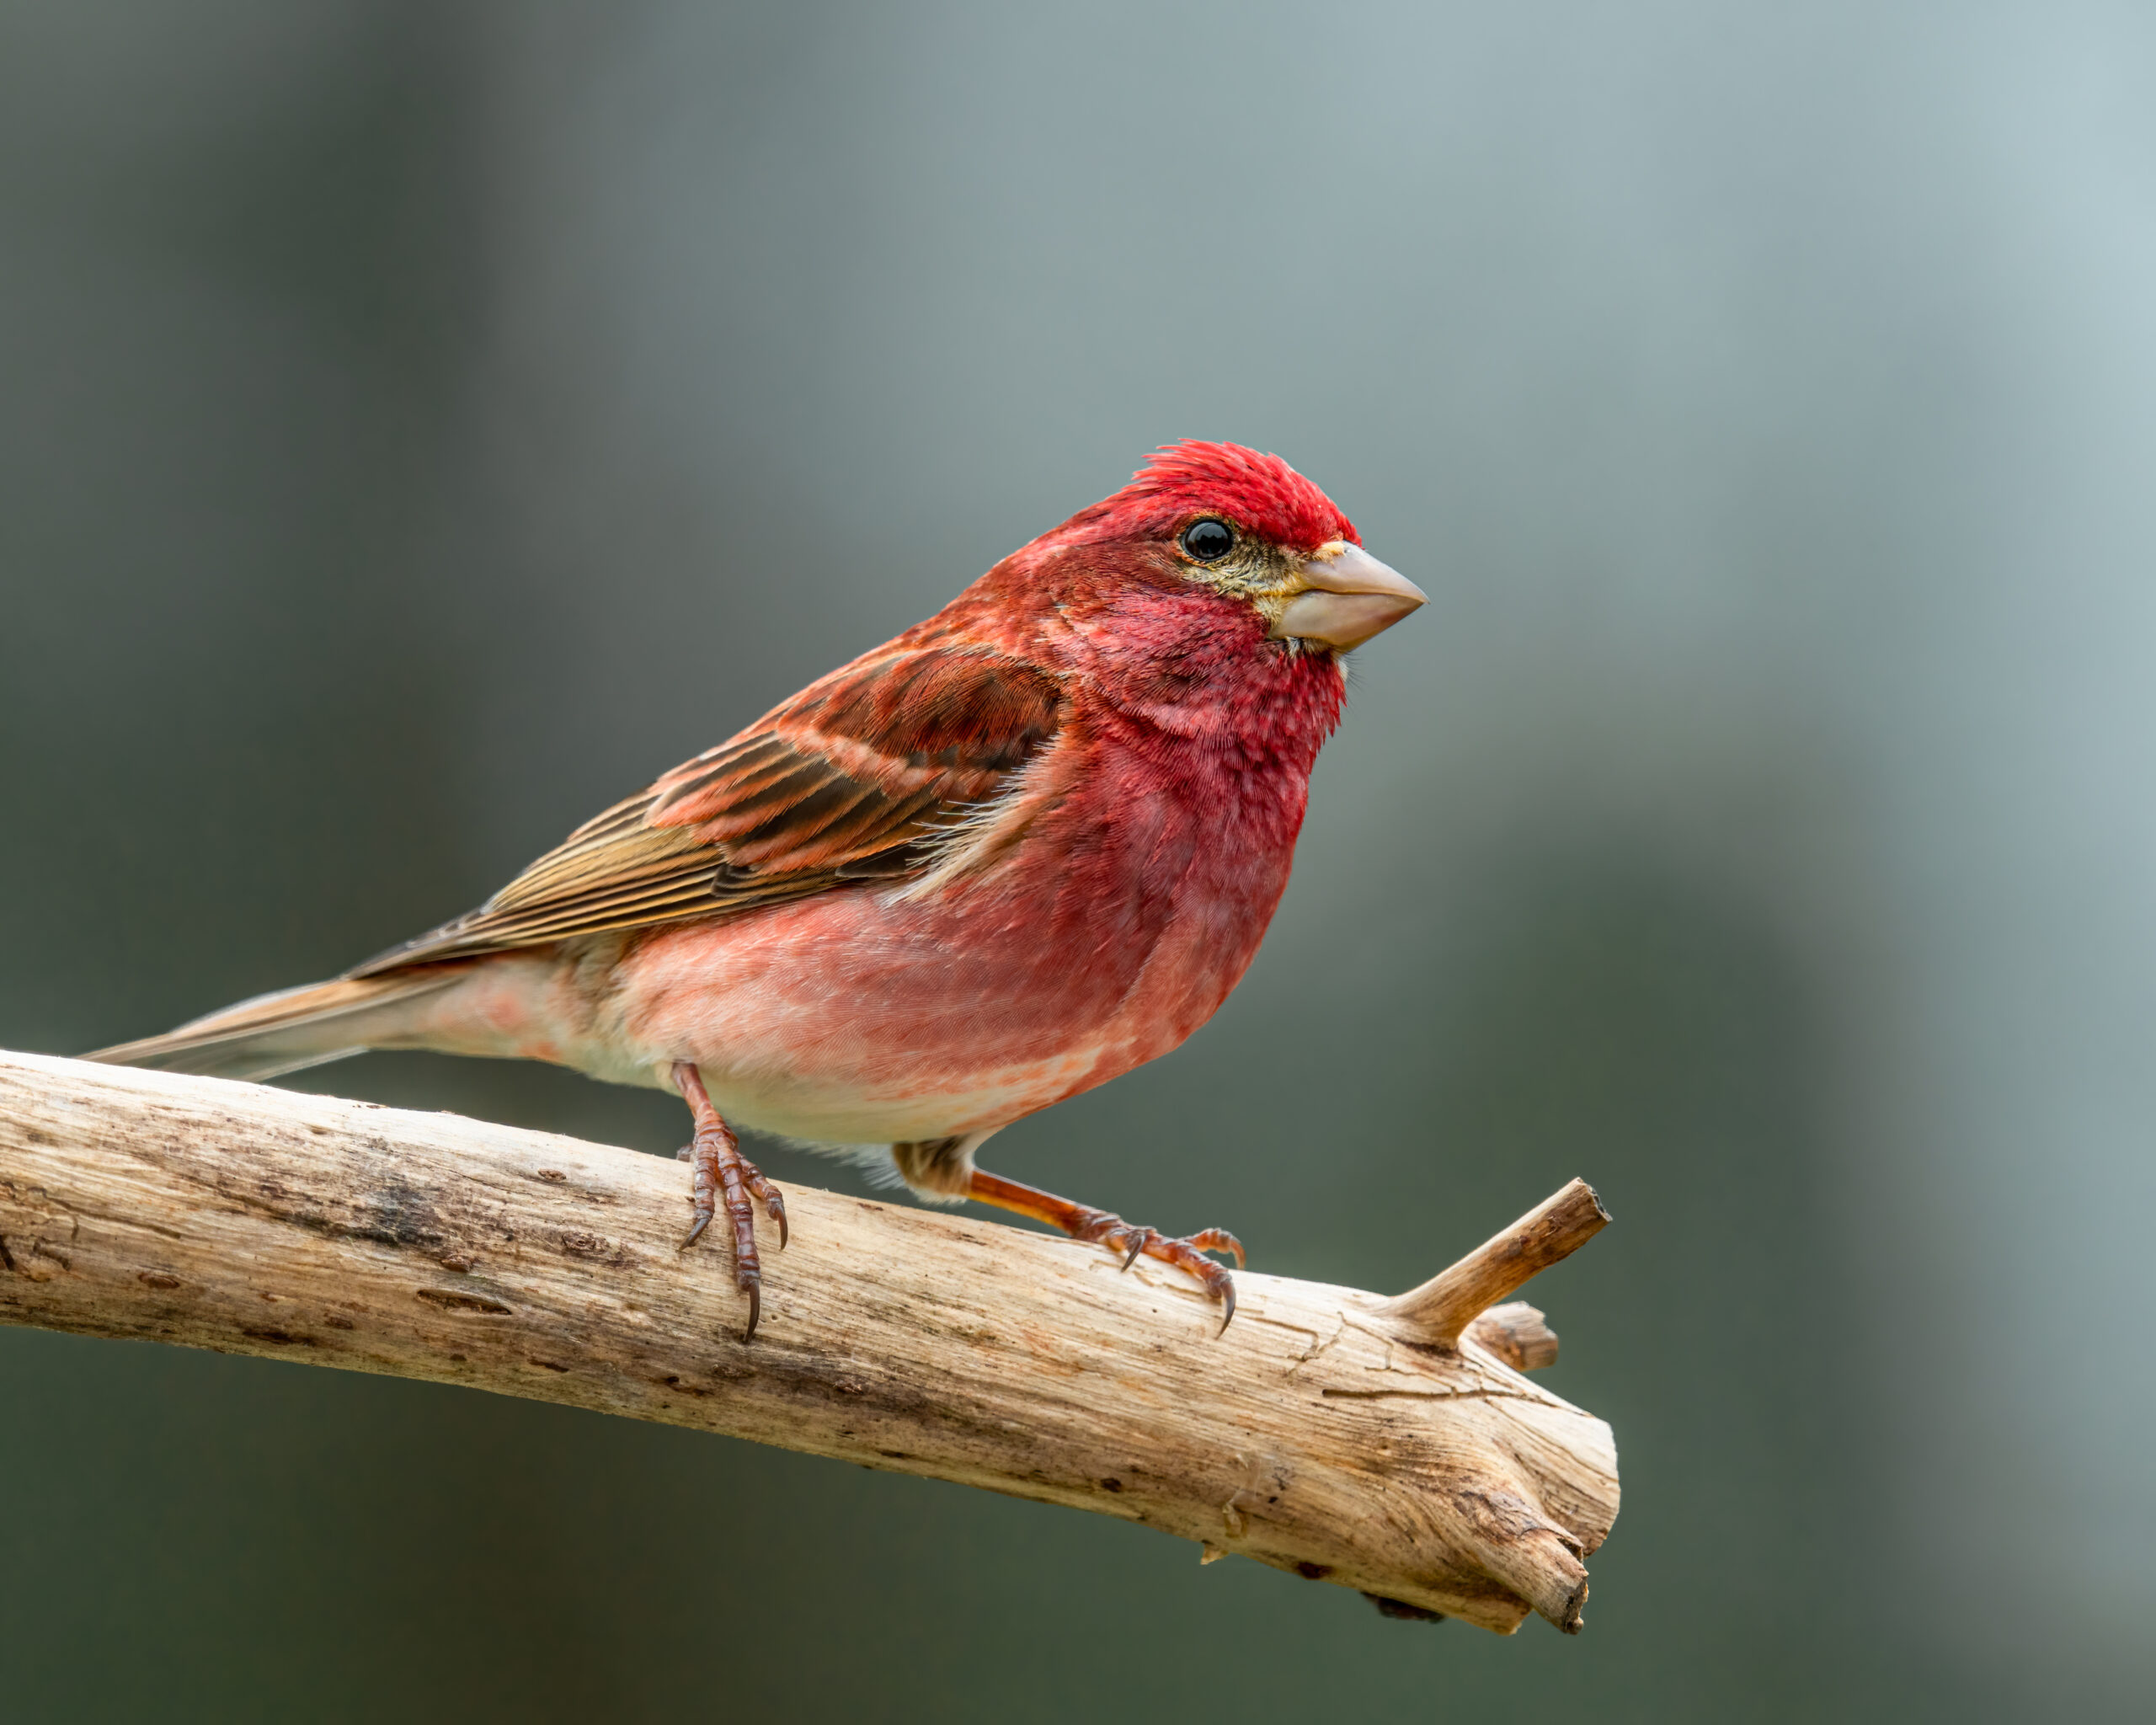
[{"x": 1220, "y": 1240}]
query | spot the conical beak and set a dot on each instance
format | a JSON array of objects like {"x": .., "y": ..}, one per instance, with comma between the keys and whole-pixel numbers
[{"x": 1345, "y": 597}]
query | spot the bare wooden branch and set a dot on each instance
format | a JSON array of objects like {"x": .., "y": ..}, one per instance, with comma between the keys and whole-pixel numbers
[
  {"x": 1325, "y": 1433},
  {"x": 1444, "y": 1306}
]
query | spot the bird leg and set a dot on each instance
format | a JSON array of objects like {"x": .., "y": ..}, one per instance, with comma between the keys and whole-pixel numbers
[
  {"x": 1100, "y": 1228},
  {"x": 722, "y": 1172}
]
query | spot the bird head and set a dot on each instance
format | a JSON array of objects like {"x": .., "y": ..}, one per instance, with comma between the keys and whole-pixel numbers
[{"x": 1249, "y": 527}]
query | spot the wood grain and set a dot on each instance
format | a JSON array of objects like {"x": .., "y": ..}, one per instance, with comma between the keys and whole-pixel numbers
[{"x": 1323, "y": 1434}]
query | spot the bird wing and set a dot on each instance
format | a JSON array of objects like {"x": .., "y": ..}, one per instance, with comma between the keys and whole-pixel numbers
[{"x": 854, "y": 779}]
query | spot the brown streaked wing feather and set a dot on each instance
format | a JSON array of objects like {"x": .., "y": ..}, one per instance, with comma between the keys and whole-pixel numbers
[{"x": 848, "y": 781}]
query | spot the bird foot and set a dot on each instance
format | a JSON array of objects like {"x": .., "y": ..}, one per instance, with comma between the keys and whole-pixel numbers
[
  {"x": 1101, "y": 1227},
  {"x": 724, "y": 1177}
]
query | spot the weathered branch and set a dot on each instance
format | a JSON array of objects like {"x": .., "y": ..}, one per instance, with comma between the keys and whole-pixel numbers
[
  {"x": 1330, "y": 1432},
  {"x": 1449, "y": 1302}
]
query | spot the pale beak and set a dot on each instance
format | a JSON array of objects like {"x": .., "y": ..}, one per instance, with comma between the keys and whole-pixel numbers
[{"x": 1346, "y": 596}]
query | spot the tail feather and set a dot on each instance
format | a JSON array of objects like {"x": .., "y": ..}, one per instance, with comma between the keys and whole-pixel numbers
[{"x": 280, "y": 1033}]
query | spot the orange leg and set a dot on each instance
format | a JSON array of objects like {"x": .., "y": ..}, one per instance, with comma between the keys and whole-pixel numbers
[
  {"x": 723, "y": 1171},
  {"x": 1099, "y": 1228}
]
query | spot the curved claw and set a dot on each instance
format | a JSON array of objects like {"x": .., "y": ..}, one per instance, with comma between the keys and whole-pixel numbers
[
  {"x": 754, "y": 1290},
  {"x": 1139, "y": 1240},
  {"x": 696, "y": 1233},
  {"x": 1227, "y": 1293},
  {"x": 775, "y": 1208}
]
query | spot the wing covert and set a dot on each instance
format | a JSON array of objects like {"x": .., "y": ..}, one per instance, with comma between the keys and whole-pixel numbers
[{"x": 851, "y": 780}]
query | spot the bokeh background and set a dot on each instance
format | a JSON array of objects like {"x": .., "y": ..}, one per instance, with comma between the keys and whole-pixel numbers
[{"x": 420, "y": 423}]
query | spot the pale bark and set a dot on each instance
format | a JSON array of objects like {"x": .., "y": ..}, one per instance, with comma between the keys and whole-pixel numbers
[{"x": 1380, "y": 1445}]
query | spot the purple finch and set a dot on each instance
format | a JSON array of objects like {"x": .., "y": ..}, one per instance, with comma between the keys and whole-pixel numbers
[{"x": 1026, "y": 845}]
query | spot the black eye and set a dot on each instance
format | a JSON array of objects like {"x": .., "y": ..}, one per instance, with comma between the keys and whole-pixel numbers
[{"x": 1209, "y": 541}]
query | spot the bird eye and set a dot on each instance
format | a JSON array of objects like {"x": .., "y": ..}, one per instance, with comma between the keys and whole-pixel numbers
[{"x": 1209, "y": 541}]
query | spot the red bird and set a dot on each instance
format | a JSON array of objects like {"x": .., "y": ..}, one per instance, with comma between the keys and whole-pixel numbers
[{"x": 1026, "y": 845}]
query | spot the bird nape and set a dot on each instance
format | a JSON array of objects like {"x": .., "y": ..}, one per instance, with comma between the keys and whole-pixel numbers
[{"x": 1028, "y": 845}]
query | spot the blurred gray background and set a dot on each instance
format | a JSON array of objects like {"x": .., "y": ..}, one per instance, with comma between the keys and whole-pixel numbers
[{"x": 421, "y": 423}]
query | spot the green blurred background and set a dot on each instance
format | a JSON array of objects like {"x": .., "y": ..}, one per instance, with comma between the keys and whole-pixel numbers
[{"x": 420, "y": 423}]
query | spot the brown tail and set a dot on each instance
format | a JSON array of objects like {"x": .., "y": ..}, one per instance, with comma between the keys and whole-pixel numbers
[{"x": 281, "y": 1033}]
